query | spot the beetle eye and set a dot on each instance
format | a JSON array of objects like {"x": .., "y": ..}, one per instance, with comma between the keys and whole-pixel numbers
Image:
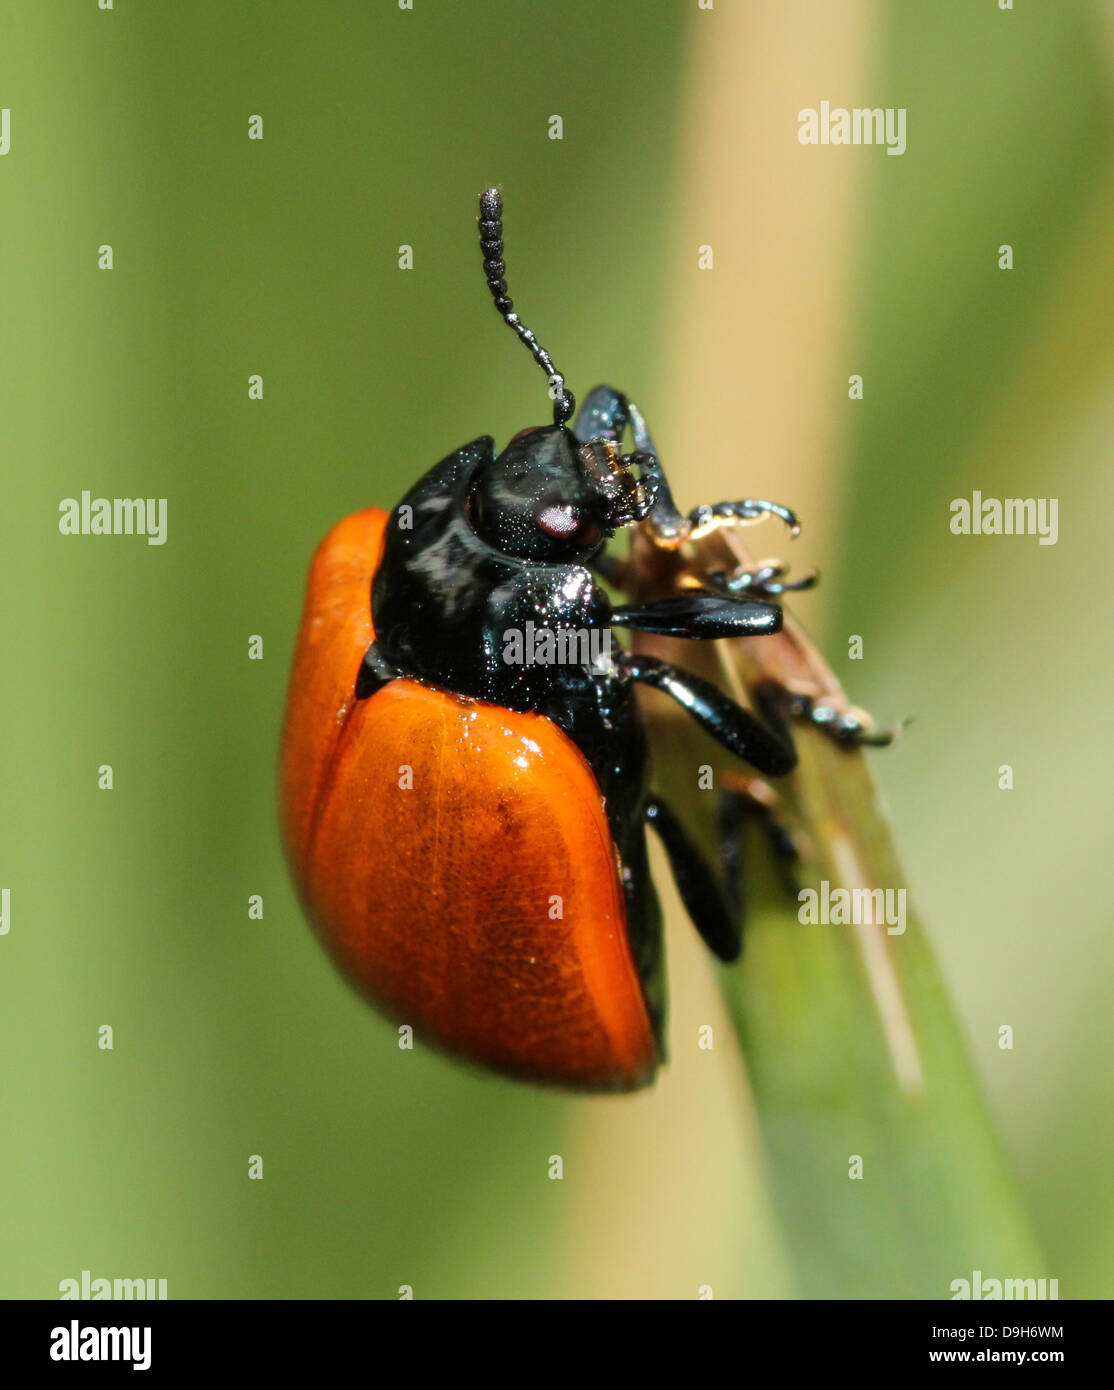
[
  {"x": 530, "y": 429},
  {"x": 559, "y": 522}
]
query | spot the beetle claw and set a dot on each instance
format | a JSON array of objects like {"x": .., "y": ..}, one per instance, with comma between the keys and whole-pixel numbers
[
  {"x": 845, "y": 724},
  {"x": 702, "y": 521},
  {"x": 767, "y": 578}
]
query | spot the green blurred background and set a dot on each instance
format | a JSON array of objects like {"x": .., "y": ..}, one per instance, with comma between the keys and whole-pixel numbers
[{"x": 129, "y": 907}]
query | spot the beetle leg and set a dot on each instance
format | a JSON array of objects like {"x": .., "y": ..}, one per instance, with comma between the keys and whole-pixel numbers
[
  {"x": 699, "y": 615},
  {"x": 719, "y": 916},
  {"x": 768, "y": 745},
  {"x": 735, "y": 810},
  {"x": 730, "y": 815},
  {"x": 375, "y": 671},
  {"x": 711, "y": 915},
  {"x": 604, "y": 414}
]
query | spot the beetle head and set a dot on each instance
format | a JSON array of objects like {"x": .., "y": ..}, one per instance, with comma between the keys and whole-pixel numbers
[{"x": 549, "y": 498}]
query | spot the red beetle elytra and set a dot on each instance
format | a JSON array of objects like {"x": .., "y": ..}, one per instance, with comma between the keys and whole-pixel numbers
[{"x": 464, "y": 770}]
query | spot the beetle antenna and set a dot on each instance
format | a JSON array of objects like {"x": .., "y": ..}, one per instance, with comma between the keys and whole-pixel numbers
[{"x": 491, "y": 244}]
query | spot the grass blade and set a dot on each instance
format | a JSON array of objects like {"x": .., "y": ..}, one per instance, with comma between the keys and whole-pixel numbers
[{"x": 854, "y": 1054}]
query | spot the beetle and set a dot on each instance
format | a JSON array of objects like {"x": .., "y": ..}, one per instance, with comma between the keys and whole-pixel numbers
[{"x": 467, "y": 826}]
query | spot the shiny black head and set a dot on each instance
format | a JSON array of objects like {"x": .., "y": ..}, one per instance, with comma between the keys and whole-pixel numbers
[{"x": 549, "y": 498}]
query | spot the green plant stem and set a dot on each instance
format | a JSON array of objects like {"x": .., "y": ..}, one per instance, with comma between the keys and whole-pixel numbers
[{"x": 854, "y": 1055}]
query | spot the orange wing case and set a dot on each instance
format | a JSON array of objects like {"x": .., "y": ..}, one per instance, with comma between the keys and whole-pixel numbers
[{"x": 455, "y": 856}]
